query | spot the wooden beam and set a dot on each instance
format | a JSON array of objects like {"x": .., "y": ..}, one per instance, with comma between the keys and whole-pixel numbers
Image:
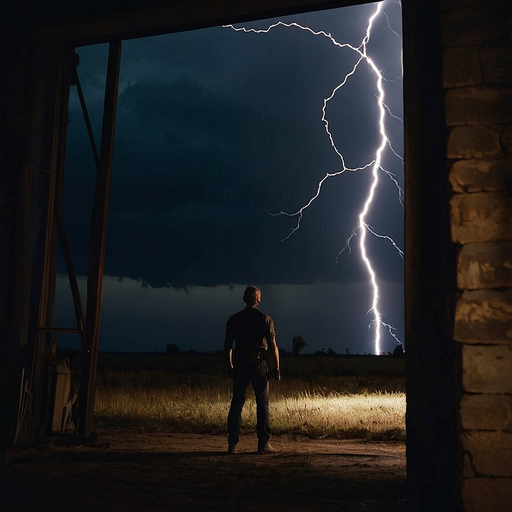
[
  {"x": 97, "y": 242},
  {"x": 89, "y": 24}
]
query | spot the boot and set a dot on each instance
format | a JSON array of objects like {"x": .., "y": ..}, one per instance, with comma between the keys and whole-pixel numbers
[{"x": 265, "y": 447}]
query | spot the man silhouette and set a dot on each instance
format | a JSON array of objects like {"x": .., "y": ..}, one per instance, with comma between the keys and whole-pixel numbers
[{"x": 254, "y": 336}]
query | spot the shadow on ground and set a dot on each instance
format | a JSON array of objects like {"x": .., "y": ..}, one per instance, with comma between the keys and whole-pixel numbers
[{"x": 156, "y": 471}]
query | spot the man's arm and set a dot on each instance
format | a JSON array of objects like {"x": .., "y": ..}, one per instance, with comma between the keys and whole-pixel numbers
[
  {"x": 274, "y": 352},
  {"x": 228, "y": 355}
]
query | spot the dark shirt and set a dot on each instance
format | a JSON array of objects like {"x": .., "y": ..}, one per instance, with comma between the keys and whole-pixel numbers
[{"x": 252, "y": 330}]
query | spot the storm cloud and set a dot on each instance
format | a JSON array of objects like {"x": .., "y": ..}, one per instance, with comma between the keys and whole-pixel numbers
[{"x": 217, "y": 129}]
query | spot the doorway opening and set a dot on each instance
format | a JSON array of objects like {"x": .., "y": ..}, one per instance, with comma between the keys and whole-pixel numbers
[{"x": 218, "y": 131}]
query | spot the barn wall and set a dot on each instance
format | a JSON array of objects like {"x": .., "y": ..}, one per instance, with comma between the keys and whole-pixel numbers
[
  {"x": 13, "y": 97},
  {"x": 29, "y": 63},
  {"x": 477, "y": 77}
]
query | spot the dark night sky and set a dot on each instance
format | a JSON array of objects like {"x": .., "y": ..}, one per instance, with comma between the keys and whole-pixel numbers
[{"x": 215, "y": 129}]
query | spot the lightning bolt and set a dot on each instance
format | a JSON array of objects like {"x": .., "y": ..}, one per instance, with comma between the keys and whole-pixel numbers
[{"x": 374, "y": 166}]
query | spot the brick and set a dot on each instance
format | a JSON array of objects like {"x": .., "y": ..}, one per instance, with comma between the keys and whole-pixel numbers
[
  {"x": 473, "y": 141},
  {"x": 479, "y": 175},
  {"x": 496, "y": 65},
  {"x": 491, "y": 452},
  {"x": 487, "y": 368},
  {"x": 486, "y": 412},
  {"x": 481, "y": 217},
  {"x": 486, "y": 24},
  {"x": 476, "y": 106},
  {"x": 461, "y": 67},
  {"x": 484, "y": 316},
  {"x": 468, "y": 471},
  {"x": 463, "y": 27},
  {"x": 487, "y": 495},
  {"x": 485, "y": 265}
]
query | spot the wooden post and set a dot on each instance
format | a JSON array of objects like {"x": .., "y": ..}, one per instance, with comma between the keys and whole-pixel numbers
[
  {"x": 429, "y": 268},
  {"x": 97, "y": 241}
]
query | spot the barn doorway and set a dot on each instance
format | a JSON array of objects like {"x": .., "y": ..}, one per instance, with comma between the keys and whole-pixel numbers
[{"x": 180, "y": 176}]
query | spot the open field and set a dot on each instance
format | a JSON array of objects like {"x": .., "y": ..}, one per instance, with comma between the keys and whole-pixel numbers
[
  {"x": 340, "y": 374},
  {"x": 366, "y": 416},
  {"x": 318, "y": 397}
]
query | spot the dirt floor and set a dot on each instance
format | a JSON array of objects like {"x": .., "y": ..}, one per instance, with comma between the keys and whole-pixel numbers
[{"x": 174, "y": 472}]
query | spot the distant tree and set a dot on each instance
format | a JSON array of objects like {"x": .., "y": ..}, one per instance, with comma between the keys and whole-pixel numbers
[
  {"x": 330, "y": 352},
  {"x": 398, "y": 351},
  {"x": 172, "y": 349},
  {"x": 298, "y": 343}
]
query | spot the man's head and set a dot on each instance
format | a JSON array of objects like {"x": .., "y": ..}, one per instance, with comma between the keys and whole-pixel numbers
[{"x": 252, "y": 296}]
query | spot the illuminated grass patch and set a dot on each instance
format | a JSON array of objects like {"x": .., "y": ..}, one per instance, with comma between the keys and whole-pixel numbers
[
  {"x": 203, "y": 409},
  {"x": 373, "y": 416}
]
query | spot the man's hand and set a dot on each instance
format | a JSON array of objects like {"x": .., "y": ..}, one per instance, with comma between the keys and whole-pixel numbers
[{"x": 277, "y": 374}]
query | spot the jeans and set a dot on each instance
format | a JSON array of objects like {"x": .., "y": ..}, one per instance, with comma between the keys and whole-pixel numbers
[{"x": 245, "y": 372}]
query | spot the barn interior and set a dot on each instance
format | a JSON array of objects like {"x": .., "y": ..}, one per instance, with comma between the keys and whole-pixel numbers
[{"x": 457, "y": 116}]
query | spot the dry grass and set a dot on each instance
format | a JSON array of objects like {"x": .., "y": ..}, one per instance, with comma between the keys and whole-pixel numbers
[
  {"x": 200, "y": 405},
  {"x": 339, "y": 397},
  {"x": 371, "y": 416}
]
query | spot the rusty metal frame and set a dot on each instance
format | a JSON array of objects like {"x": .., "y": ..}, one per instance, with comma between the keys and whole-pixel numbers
[
  {"x": 97, "y": 243},
  {"x": 88, "y": 327}
]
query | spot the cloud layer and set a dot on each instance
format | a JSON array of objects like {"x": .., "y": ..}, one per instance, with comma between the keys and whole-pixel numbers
[{"x": 217, "y": 128}]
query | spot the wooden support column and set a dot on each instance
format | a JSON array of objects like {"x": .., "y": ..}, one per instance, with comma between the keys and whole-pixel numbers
[
  {"x": 97, "y": 242},
  {"x": 430, "y": 284}
]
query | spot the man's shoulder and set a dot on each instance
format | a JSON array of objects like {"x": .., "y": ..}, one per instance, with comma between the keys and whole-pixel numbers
[
  {"x": 251, "y": 312},
  {"x": 264, "y": 316}
]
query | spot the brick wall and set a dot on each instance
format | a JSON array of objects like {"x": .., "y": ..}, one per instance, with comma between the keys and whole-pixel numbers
[{"x": 477, "y": 77}]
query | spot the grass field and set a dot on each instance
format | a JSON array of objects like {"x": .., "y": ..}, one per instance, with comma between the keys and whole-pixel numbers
[{"x": 318, "y": 396}]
